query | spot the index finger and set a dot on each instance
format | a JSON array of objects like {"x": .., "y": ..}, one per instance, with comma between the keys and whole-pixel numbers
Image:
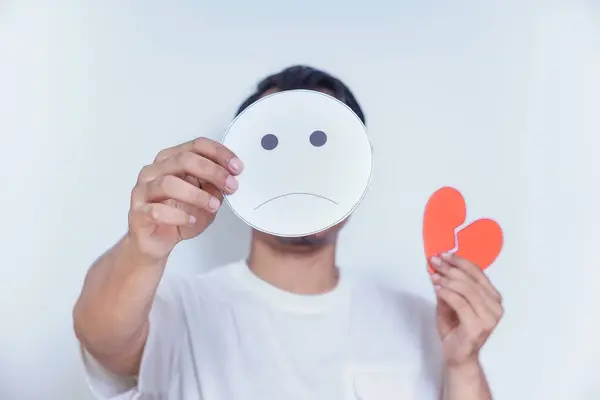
[
  {"x": 473, "y": 271},
  {"x": 207, "y": 148}
]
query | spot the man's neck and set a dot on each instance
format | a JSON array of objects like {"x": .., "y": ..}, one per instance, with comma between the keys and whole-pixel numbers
[{"x": 303, "y": 272}]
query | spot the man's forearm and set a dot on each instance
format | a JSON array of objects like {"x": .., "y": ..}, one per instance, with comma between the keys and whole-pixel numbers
[
  {"x": 110, "y": 316},
  {"x": 466, "y": 382}
]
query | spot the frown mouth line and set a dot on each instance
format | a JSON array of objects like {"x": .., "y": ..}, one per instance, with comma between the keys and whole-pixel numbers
[{"x": 295, "y": 193}]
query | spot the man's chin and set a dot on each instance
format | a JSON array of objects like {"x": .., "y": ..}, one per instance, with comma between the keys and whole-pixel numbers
[
  {"x": 306, "y": 243},
  {"x": 310, "y": 241}
]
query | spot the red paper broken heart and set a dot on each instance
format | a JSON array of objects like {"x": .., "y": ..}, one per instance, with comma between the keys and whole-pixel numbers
[{"x": 479, "y": 242}]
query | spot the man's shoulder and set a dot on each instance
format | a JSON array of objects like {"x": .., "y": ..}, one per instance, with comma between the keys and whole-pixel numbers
[
  {"x": 220, "y": 275},
  {"x": 380, "y": 293},
  {"x": 385, "y": 290},
  {"x": 217, "y": 282}
]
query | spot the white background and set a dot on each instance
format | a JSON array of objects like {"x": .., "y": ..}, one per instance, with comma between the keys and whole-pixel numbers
[{"x": 498, "y": 98}]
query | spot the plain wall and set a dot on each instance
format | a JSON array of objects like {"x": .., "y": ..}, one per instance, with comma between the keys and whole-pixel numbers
[{"x": 499, "y": 99}]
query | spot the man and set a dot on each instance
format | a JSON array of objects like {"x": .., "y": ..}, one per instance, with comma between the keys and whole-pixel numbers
[{"x": 285, "y": 324}]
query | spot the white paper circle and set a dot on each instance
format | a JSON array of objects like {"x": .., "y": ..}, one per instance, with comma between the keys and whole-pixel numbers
[{"x": 301, "y": 186}]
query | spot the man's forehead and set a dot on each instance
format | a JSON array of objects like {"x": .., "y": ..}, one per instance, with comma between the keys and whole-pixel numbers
[{"x": 276, "y": 90}]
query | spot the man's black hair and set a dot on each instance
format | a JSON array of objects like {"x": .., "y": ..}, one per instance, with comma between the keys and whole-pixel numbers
[{"x": 303, "y": 77}]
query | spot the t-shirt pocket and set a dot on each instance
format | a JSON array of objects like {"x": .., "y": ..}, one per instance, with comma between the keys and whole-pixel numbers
[{"x": 381, "y": 382}]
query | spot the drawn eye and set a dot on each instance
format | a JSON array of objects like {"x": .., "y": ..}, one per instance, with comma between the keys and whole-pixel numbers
[
  {"x": 269, "y": 142},
  {"x": 318, "y": 138}
]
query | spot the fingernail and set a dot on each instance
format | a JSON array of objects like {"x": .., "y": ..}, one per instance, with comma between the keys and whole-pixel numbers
[
  {"x": 236, "y": 165},
  {"x": 436, "y": 261},
  {"x": 435, "y": 277},
  {"x": 231, "y": 184},
  {"x": 437, "y": 287},
  {"x": 446, "y": 256},
  {"x": 214, "y": 203},
  {"x": 192, "y": 220}
]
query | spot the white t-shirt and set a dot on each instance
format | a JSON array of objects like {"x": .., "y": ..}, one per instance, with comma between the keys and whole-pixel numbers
[{"x": 228, "y": 335}]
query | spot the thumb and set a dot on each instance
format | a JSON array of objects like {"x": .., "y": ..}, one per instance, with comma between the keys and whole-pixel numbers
[{"x": 445, "y": 316}]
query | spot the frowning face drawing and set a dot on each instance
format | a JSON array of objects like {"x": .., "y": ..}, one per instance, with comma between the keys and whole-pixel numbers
[{"x": 308, "y": 163}]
